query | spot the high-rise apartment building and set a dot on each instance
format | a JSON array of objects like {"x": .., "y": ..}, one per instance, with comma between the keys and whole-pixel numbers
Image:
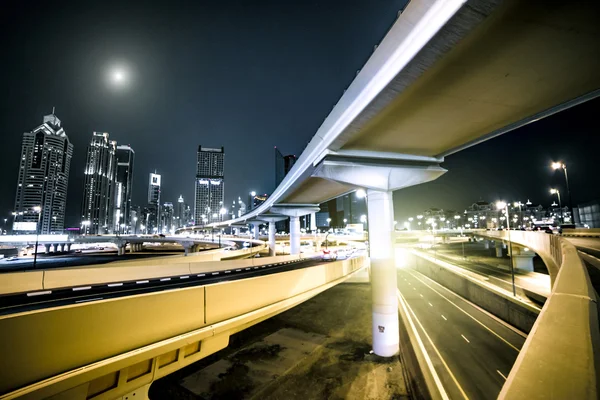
[
  {"x": 179, "y": 213},
  {"x": 153, "y": 215},
  {"x": 97, "y": 211},
  {"x": 167, "y": 218},
  {"x": 209, "y": 185},
  {"x": 283, "y": 165},
  {"x": 43, "y": 177},
  {"x": 123, "y": 187}
]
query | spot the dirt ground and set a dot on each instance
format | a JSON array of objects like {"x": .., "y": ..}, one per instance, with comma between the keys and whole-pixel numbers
[{"x": 317, "y": 350}]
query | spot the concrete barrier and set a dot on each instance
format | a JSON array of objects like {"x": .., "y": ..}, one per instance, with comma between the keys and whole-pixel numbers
[
  {"x": 517, "y": 313},
  {"x": 109, "y": 348}
]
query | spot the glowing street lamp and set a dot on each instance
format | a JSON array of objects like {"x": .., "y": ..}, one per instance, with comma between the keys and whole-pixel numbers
[
  {"x": 557, "y": 193},
  {"x": 501, "y": 205},
  {"x": 559, "y": 165},
  {"x": 361, "y": 194}
]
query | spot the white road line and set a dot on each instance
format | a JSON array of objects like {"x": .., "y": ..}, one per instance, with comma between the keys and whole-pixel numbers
[
  {"x": 237, "y": 270},
  {"x": 165, "y": 279},
  {"x": 247, "y": 268},
  {"x": 414, "y": 288},
  {"x": 469, "y": 315},
  {"x": 430, "y": 305},
  {"x": 404, "y": 302},
  {"x": 201, "y": 275},
  {"x": 146, "y": 281},
  {"x": 466, "y": 340},
  {"x": 445, "y": 319},
  {"x": 227, "y": 272},
  {"x": 39, "y": 293},
  {"x": 184, "y": 277},
  {"x": 501, "y": 374},
  {"x": 115, "y": 284},
  {"x": 86, "y": 300},
  {"x": 76, "y": 289},
  {"x": 420, "y": 295},
  {"x": 215, "y": 273}
]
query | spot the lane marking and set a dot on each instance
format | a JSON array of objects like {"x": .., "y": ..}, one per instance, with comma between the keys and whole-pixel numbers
[
  {"x": 237, "y": 270},
  {"x": 470, "y": 316},
  {"x": 86, "y": 300},
  {"x": 420, "y": 295},
  {"x": 39, "y": 293},
  {"x": 439, "y": 384},
  {"x": 247, "y": 269},
  {"x": 184, "y": 277},
  {"x": 76, "y": 289},
  {"x": 215, "y": 273},
  {"x": 115, "y": 284},
  {"x": 445, "y": 319},
  {"x": 227, "y": 272},
  {"x": 146, "y": 281},
  {"x": 201, "y": 275},
  {"x": 501, "y": 374},
  {"x": 165, "y": 279},
  {"x": 466, "y": 340},
  {"x": 414, "y": 288},
  {"x": 430, "y": 305}
]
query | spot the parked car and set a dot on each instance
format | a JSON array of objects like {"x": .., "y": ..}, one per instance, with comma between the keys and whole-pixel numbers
[{"x": 14, "y": 258}]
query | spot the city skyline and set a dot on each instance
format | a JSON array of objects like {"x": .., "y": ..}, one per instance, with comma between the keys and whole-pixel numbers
[{"x": 157, "y": 112}]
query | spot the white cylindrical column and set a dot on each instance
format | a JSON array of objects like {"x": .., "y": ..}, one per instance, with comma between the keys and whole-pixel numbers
[
  {"x": 294, "y": 235},
  {"x": 313, "y": 222},
  {"x": 272, "y": 230},
  {"x": 256, "y": 231},
  {"x": 386, "y": 339},
  {"x": 499, "y": 249}
]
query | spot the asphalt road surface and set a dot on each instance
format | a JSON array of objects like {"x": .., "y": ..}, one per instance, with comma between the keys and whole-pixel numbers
[{"x": 472, "y": 351}]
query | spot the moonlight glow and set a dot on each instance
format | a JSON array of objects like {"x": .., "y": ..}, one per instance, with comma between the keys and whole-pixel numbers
[{"x": 118, "y": 76}]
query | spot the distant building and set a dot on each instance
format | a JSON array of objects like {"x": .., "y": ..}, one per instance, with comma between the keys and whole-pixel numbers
[
  {"x": 241, "y": 207},
  {"x": 210, "y": 185},
  {"x": 167, "y": 218},
  {"x": 43, "y": 177},
  {"x": 123, "y": 188},
  {"x": 179, "y": 220},
  {"x": 255, "y": 200},
  {"x": 153, "y": 214},
  {"x": 97, "y": 208},
  {"x": 588, "y": 214},
  {"x": 283, "y": 165}
]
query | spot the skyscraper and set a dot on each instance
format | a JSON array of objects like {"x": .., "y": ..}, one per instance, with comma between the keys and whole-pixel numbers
[
  {"x": 98, "y": 192},
  {"x": 283, "y": 165},
  {"x": 123, "y": 187},
  {"x": 209, "y": 185},
  {"x": 153, "y": 215},
  {"x": 43, "y": 177},
  {"x": 179, "y": 213},
  {"x": 167, "y": 214}
]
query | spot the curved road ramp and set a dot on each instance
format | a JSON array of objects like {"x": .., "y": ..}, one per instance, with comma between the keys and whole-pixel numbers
[
  {"x": 117, "y": 347},
  {"x": 560, "y": 358}
]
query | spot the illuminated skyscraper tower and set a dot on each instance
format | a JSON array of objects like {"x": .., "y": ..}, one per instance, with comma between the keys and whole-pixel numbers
[{"x": 209, "y": 185}]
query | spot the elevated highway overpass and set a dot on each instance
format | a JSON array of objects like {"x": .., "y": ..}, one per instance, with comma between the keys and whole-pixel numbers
[{"x": 448, "y": 75}]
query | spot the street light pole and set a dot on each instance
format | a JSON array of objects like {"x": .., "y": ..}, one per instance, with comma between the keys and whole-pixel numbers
[
  {"x": 558, "y": 165},
  {"x": 557, "y": 193},
  {"x": 502, "y": 205},
  {"x": 37, "y": 234}
]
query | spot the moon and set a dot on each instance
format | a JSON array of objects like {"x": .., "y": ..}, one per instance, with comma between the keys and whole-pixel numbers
[{"x": 118, "y": 76}]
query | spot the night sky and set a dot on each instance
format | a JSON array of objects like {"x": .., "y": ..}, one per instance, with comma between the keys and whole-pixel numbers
[{"x": 246, "y": 75}]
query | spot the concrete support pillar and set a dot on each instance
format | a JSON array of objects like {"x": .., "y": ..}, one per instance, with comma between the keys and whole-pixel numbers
[
  {"x": 272, "y": 230},
  {"x": 47, "y": 249},
  {"x": 383, "y": 273},
  {"x": 68, "y": 246},
  {"x": 523, "y": 259},
  {"x": 54, "y": 247},
  {"x": 486, "y": 244},
  {"x": 499, "y": 249},
  {"x": 294, "y": 235},
  {"x": 313, "y": 221},
  {"x": 256, "y": 231}
]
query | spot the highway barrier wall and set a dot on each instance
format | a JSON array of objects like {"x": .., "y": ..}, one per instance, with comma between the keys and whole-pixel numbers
[
  {"x": 561, "y": 356},
  {"x": 113, "y": 347},
  {"x": 517, "y": 313},
  {"x": 32, "y": 281}
]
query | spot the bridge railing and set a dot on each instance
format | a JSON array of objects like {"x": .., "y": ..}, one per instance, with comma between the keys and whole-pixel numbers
[
  {"x": 560, "y": 358},
  {"x": 109, "y": 348}
]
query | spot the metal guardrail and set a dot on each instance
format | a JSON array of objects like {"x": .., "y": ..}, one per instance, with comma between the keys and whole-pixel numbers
[
  {"x": 559, "y": 358},
  {"x": 117, "y": 347}
]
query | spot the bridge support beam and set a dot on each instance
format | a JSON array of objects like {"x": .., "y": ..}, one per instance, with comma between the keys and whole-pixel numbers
[
  {"x": 54, "y": 247},
  {"x": 46, "y": 249},
  {"x": 294, "y": 235},
  {"x": 68, "y": 246},
  {"x": 523, "y": 259},
  {"x": 294, "y": 212},
  {"x": 499, "y": 248},
  {"x": 257, "y": 231},
  {"x": 380, "y": 207},
  {"x": 486, "y": 244}
]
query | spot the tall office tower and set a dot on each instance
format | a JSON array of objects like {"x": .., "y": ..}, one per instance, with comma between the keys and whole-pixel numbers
[
  {"x": 188, "y": 217},
  {"x": 97, "y": 207},
  {"x": 209, "y": 185},
  {"x": 43, "y": 176},
  {"x": 153, "y": 215},
  {"x": 283, "y": 165},
  {"x": 179, "y": 213},
  {"x": 167, "y": 217},
  {"x": 241, "y": 207},
  {"x": 123, "y": 186}
]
